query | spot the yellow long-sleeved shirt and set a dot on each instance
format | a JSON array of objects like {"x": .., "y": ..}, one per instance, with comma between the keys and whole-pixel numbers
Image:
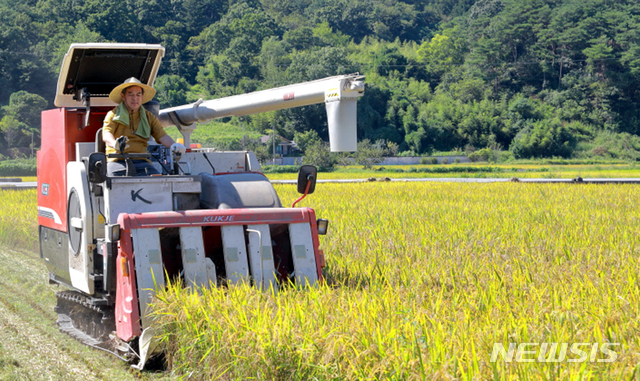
[{"x": 137, "y": 144}]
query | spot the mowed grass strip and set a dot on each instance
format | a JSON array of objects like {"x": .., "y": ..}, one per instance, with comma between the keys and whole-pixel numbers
[{"x": 423, "y": 279}]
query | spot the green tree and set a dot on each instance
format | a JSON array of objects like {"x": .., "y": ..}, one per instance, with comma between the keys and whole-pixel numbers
[
  {"x": 26, "y": 108},
  {"x": 443, "y": 52},
  {"x": 274, "y": 57},
  {"x": 171, "y": 90},
  {"x": 318, "y": 154},
  {"x": 21, "y": 124},
  {"x": 300, "y": 38},
  {"x": 115, "y": 20},
  {"x": 369, "y": 154},
  {"x": 13, "y": 131},
  {"x": 543, "y": 139},
  {"x": 598, "y": 54},
  {"x": 315, "y": 64},
  {"x": 306, "y": 139},
  {"x": 352, "y": 18}
]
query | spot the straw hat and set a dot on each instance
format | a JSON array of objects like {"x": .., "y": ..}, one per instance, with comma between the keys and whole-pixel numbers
[{"x": 149, "y": 92}]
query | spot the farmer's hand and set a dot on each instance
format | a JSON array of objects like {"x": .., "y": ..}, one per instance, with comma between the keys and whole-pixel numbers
[{"x": 121, "y": 143}]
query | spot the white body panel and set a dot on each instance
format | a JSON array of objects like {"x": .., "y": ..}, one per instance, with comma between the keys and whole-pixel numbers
[
  {"x": 145, "y": 194},
  {"x": 339, "y": 114},
  {"x": 235, "y": 254},
  {"x": 193, "y": 257},
  {"x": 211, "y": 272},
  {"x": 304, "y": 260},
  {"x": 149, "y": 268},
  {"x": 261, "y": 257},
  {"x": 84, "y": 150},
  {"x": 80, "y": 265}
]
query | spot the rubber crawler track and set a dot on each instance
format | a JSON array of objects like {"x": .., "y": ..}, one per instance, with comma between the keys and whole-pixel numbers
[{"x": 80, "y": 317}]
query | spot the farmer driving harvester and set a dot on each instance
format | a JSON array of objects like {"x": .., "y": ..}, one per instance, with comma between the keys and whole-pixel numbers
[{"x": 127, "y": 128}]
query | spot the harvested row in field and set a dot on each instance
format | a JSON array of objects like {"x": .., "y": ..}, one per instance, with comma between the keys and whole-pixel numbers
[{"x": 31, "y": 347}]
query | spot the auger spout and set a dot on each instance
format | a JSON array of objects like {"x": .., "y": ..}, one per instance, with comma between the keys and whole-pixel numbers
[{"x": 340, "y": 93}]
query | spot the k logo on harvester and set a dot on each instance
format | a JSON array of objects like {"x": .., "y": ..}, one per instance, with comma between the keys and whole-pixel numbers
[{"x": 136, "y": 194}]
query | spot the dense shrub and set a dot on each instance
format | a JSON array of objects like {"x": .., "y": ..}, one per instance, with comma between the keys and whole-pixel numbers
[
  {"x": 18, "y": 167},
  {"x": 543, "y": 139},
  {"x": 318, "y": 154},
  {"x": 609, "y": 145},
  {"x": 491, "y": 155},
  {"x": 280, "y": 168},
  {"x": 369, "y": 154},
  {"x": 484, "y": 154},
  {"x": 428, "y": 160}
]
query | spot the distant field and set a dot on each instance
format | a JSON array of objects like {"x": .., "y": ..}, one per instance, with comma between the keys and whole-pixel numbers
[
  {"x": 477, "y": 170},
  {"x": 19, "y": 219}
]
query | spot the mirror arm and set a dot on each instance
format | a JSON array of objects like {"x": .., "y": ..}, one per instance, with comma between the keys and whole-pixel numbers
[{"x": 309, "y": 178}]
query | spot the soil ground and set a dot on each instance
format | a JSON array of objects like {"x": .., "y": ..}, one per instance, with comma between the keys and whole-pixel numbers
[{"x": 31, "y": 347}]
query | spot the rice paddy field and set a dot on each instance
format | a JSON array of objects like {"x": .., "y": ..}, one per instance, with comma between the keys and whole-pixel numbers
[
  {"x": 19, "y": 219},
  {"x": 422, "y": 281}
]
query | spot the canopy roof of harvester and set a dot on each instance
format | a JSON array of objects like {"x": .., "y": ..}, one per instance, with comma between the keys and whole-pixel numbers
[{"x": 96, "y": 68}]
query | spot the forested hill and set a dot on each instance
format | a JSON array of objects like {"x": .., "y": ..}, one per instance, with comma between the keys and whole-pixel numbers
[{"x": 535, "y": 77}]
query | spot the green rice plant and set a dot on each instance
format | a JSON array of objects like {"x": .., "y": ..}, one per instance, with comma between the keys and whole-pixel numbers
[{"x": 423, "y": 280}]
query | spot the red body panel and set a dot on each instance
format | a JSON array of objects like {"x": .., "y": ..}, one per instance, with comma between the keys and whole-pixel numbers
[
  {"x": 217, "y": 217},
  {"x": 127, "y": 309},
  {"x": 61, "y": 130}
]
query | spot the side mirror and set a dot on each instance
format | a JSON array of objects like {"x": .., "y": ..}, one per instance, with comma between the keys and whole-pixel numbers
[
  {"x": 307, "y": 176},
  {"x": 97, "y": 169}
]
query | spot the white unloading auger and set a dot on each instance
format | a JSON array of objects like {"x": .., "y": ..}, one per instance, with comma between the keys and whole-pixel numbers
[{"x": 339, "y": 93}]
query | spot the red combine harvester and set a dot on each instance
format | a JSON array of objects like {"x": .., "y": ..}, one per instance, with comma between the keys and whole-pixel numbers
[{"x": 212, "y": 218}]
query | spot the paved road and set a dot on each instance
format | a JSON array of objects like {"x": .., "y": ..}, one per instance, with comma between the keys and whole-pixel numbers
[
  {"x": 19, "y": 185},
  {"x": 477, "y": 180}
]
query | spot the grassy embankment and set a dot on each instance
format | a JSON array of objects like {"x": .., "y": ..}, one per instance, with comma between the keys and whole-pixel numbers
[{"x": 217, "y": 134}]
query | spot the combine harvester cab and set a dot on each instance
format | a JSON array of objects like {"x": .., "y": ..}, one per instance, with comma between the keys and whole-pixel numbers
[{"x": 211, "y": 219}]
